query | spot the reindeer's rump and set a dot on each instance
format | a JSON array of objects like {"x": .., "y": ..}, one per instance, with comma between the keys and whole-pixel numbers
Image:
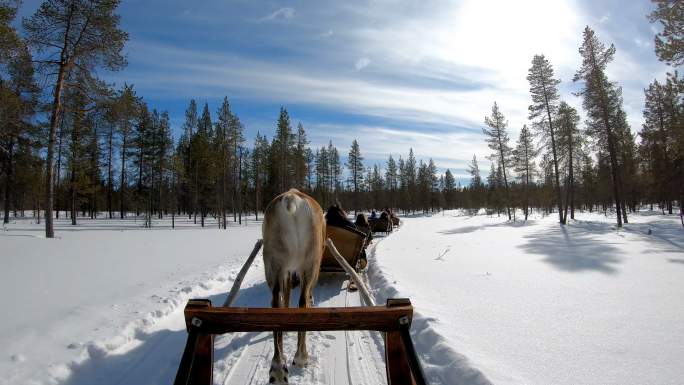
[
  {"x": 293, "y": 237},
  {"x": 349, "y": 242}
]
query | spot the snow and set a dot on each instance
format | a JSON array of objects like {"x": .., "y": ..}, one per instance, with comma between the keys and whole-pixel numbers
[
  {"x": 537, "y": 303},
  {"x": 92, "y": 292},
  {"x": 496, "y": 302}
]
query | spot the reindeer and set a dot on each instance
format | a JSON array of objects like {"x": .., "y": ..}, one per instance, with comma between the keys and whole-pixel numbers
[{"x": 294, "y": 234}]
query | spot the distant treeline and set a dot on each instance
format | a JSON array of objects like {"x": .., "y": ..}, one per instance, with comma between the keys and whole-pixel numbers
[{"x": 105, "y": 150}]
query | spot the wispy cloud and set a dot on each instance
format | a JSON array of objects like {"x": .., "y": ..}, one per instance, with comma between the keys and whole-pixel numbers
[
  {"x": 362, "y": 63},
  {"x": 284, "y": 13}
]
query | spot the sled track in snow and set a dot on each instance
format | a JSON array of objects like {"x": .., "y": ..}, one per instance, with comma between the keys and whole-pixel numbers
[{"x": 337, "y": 357}]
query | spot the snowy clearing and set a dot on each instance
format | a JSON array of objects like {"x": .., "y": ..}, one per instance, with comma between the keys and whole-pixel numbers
[
  {"x": 497, "y": 302},
  {"x": 537, "y": 303}
]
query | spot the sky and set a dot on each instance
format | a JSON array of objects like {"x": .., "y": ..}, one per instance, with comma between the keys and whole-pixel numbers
[{"x": 393, "y": 74}]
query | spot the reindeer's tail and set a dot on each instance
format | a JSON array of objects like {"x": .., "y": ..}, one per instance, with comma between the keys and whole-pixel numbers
[{"x": 290, "y": 202}]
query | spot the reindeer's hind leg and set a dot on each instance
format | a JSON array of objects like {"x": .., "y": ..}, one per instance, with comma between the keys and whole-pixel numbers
[
  {"x": 278, "y": 372},
  {"x": 302, "y": 357}
]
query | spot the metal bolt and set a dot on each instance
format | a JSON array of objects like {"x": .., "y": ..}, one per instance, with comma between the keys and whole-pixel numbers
[
  {"x": 404, "y": 320},
  {"x": 196, "y": 322}
]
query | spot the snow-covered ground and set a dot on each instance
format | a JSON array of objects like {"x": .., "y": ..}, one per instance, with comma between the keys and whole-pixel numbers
[
  {"x": 101, "y": 288},
  {"x": 497, "y": 302},
  {"x": 538, "y": 303}
]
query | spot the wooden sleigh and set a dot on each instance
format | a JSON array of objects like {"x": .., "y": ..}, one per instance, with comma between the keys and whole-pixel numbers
[
  {"x": 380, "y": 225},
  {"x": 350, "y": 243},
  {"x": 203, "y": 321}
]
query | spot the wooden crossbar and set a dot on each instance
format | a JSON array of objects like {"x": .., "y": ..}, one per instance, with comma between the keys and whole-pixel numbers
[
  {"x": 203, "y": 321},
  {"x": 219, "y": 320}
]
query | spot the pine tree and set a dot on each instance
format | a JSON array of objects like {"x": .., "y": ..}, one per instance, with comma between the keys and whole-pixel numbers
[
  {"x": 544, "y": 92},
  {"x": 602, "y": 101},
  {"x": 189, "y": 176},
  {"x": 449, "y": 189},
  {"x": 476, "y": 185},
  {"x": 126, "y": 106},
  {"x": 669, "y": 43},
  {"x": 523, "y": 160},
  {"x": 355, "y": 166},
  {"x": 300, "y": 160},
  {"x": 497, "y": 139},
  {"x": 9, "y": 38},
  {"x": 79, "y": 33},
  {"x": 221, "y": 157},
  {"x": 18, "y": 102},
  {"x": 259, "y": 170},
  {"x": 570, "y": 145},
  {"x": 411, "y": 181},
  {"x": 201, "y": 163},
  {"x": 281, "y": 149},
  {"x": 392, "y": 182},
  {"x": 335, "y": 168}
]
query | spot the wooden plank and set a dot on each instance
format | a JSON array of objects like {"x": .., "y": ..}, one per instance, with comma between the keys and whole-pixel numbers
[
  {"x": 196, "y": 366},
  {"x": 241, "y": 275},
  {"x": 203, "y": 365},
  {"x": 183, "y": 373},
  {"x": 398, "y": 369},
  {"x": 227, "y": 320},
  {"x": 365, "y": 294}
]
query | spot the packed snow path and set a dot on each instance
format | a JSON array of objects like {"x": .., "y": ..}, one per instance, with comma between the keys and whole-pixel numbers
[{"x": 340, "y": 357}]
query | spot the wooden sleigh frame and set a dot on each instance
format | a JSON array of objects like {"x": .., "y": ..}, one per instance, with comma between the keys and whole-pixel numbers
[{"x": 204, "y": 321}]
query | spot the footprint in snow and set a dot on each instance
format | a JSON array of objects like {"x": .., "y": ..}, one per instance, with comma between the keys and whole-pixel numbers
[{"x": 18, "y": 358}]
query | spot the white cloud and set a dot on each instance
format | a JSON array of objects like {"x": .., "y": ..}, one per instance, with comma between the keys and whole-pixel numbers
[
  {"x": 362, "y": 63},
  {"x": 284, "y": 13}
]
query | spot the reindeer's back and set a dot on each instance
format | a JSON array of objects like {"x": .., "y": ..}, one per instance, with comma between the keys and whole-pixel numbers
[{"x": 293, "y": 233}]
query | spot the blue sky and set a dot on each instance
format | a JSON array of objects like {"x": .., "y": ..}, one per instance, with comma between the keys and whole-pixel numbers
[{"x": 393, "y": 74}]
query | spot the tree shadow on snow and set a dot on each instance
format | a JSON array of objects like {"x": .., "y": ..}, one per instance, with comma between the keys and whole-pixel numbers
[
  {"x": 155, "y": 357},
  {"x": 470, "y": 229},
  {"x": 576, "y": 248}
]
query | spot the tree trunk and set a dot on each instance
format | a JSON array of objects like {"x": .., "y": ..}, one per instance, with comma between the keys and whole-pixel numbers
[
  {"x": 122, "y": 189},
  {"x": 49, "y": 160},
  {"x": 110, "y": 185},
  {"x": 9, "y": 185},
  {"x": 239, "y": 187}
]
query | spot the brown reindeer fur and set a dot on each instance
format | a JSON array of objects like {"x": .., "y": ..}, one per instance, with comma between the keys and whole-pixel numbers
[{"x": 294, "y": 239}]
